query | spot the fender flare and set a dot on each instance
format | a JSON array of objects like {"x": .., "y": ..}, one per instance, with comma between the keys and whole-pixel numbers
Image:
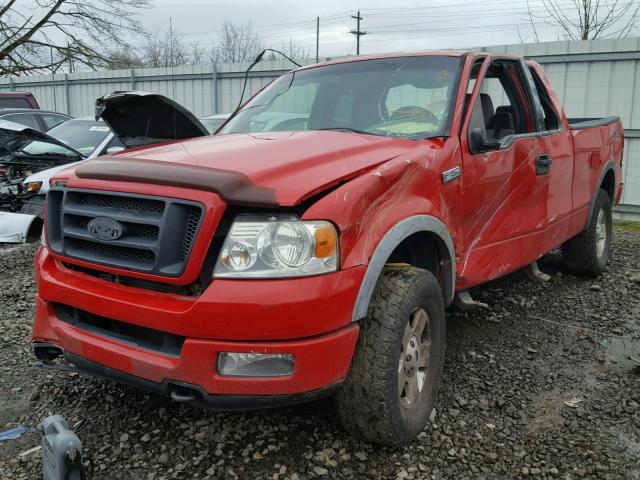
[
  {"x": 388, "y": 243},
  {"x": 609, "y": 166}
]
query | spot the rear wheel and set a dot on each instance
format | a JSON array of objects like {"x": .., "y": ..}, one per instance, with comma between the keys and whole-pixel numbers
[
  {"x": 588, "y": 252},
  {"x": 397, "y": 365}
]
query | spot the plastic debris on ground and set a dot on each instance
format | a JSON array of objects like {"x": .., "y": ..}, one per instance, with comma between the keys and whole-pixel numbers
[
  {"x": 574, "y": 402},
  {"x": 13, "y": 433}
]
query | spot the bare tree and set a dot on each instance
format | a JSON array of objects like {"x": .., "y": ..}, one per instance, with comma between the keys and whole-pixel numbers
[
  {"x": 591, "y": 19},
  {"x": 237, "y": 44},
  {"x": 166, "y": 48},
  {"x": 45, "y": 34},
  {"x": 292, "y": 50}
]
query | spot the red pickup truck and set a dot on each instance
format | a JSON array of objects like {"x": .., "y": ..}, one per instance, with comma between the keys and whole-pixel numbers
[{"x": 312, "y": 245}]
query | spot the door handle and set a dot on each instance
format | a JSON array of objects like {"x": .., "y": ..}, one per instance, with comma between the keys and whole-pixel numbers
[{"x": 543, "y": 162}]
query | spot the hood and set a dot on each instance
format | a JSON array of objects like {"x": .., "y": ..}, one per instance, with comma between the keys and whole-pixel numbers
[
  {"x": 277, "y": 168},
  {"x": 14, "y": 136},
  {"x": 142, "y": 118}
]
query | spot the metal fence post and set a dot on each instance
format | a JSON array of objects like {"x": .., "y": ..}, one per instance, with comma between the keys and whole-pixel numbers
[
  {"x": 67, "y": 94},
  {"x": 214, "y": 92},
  {"x": 11, "y": 87},
  {"x": 133, "y": 79}
]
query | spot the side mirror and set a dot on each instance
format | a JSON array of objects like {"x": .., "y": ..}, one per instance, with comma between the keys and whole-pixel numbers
[
  {"x": 112, "y": 150},
  {"x": 478, "y": 142}
]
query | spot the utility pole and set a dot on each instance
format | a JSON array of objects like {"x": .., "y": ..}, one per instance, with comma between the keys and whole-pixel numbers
[
  {"x": 317, "y": 38},
  {"x": 53, "y": 81},
  {"x": 357, "y": 32}
]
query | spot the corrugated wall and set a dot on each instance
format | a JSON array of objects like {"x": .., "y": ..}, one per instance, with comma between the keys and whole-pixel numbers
[
  {"x": 203, "y": 89},
  {"x": 594, "y": 78}
]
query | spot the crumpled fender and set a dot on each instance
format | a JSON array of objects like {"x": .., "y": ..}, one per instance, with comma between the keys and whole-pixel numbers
[{"x": 368, "y": 207}]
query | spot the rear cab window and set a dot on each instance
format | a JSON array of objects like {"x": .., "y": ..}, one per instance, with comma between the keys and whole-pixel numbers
[{"x": 551, "y": 119}]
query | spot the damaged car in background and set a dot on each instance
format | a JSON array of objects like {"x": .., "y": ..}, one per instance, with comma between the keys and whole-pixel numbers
[
  {"x": 24, "y": 151},
  {"x": 116, "y": 127}
]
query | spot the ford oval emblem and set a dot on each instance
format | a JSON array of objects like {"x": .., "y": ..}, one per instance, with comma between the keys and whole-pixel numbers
[{"x": 104, "y": 228}]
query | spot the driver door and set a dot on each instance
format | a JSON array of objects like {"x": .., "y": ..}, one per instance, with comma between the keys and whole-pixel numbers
[{"x": 503, "y": 201}]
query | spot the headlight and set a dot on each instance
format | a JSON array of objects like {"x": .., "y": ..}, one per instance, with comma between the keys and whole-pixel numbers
[
  {"x": 277, "y": 246},
  {"x": 31, "y": 187}
]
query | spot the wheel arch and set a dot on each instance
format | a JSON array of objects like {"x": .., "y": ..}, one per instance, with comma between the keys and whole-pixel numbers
[
  {"x": 607, "y": 182},
  {"x": 419, "y": 230}
]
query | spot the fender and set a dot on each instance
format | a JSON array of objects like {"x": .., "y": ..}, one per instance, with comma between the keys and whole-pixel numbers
[
  {"x": 400, "y": 231},
  {"x": 609, "y": 166}
]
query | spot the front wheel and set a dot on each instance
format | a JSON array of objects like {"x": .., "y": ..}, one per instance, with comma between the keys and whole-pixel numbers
[
  {"x": 588, "y": 252},
  {"x": 396, "y": 368}
]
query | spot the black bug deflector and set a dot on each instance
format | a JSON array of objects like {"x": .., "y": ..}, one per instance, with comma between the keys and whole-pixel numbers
[{"x": 234, "y": 187}]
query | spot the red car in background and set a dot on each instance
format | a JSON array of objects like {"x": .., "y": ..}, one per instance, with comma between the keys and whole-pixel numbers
[
  {"x": 18, "y": 100},
  {"x": 312, "y": 246}
]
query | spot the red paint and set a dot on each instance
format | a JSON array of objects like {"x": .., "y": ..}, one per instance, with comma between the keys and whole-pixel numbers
[{"x": 500, "y": 214}]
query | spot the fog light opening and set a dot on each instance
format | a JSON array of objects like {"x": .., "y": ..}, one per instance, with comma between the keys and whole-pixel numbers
[{"x": 255, "y": 364}]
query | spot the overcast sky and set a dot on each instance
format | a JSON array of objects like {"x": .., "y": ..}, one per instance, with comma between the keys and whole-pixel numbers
[{"x": 407, "y": 25}]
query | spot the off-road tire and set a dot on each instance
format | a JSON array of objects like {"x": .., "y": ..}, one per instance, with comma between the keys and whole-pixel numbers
[
  {"x": 582, "y": 254},
  {"x": 369, "y": 403}
]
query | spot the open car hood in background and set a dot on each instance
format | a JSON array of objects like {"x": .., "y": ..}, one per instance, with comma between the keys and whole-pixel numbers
[
  {"x": 13, "y": 135},
  {"x": 142, "y": 118}
]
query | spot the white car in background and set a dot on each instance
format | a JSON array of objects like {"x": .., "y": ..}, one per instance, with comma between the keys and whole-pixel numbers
[{"x": 90, "y": 137}]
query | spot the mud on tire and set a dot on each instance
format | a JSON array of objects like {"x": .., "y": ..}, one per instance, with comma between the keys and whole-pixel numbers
[
  {"x": 378, "y": 401},
  {"x": 588, "y": 252}
]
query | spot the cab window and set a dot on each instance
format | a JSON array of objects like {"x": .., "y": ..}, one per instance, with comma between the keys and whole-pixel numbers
[
  {"x": 551, "y": 119},
  {"x": 502, "y": 108}
]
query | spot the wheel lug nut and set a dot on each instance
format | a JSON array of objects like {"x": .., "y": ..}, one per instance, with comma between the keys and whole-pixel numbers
[
  {"x": 412, "y": 343},
  {"x": 408, "y": 358}
]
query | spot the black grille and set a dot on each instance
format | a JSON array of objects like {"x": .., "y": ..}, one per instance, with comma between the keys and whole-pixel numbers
[
  {"x": 193, "y": 220},
  {"x": 103, "y": 250},
  {"x": 136, "y": 205},
  {"x": 154, "y": 234},
  {"x": 142, "y": 337}
]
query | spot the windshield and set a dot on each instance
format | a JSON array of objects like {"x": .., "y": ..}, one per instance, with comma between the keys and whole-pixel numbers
[
  {"x": 82, "y": 135},
  {"x": 407, "y": 97}
]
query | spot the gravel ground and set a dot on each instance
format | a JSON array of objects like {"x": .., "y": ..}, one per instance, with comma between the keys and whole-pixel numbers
[{"x": 501, "y": 413}]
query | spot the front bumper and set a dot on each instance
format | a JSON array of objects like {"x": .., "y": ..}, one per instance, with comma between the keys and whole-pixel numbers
[
  {"x": 193, "y": 394},
  {"x": 308, "y": 318}
]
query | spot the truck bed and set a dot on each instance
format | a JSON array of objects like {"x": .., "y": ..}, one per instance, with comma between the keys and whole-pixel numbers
[{"x": 581, "y": 123}]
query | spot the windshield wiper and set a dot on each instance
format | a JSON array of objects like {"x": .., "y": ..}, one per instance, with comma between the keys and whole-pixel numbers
[
  {"x": 47, "y": 154},
  {"x": 349, "y": 129}
]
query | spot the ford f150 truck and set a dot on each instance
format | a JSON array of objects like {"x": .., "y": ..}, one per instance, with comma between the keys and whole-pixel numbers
[{"x": 312, "y": 246}]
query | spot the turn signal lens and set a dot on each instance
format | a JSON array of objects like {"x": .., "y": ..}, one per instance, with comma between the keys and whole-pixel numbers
[
  {"x": 326, "y": 241},
  {"x": 32, "y": 187}
]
